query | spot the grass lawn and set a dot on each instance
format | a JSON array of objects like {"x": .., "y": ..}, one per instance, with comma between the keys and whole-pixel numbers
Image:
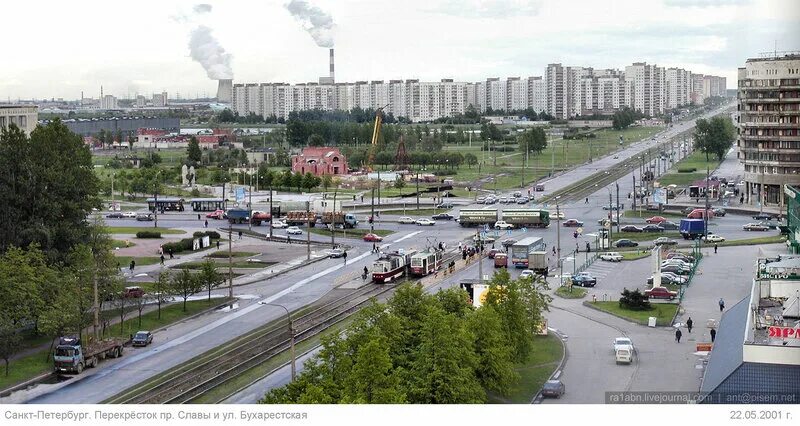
[
  {"x": 574, "y": 293},
  {"x": 356, "y": 233},
  {"x": 646, "y": 214},
  {"x": 634, "y": 255},
  {"x": 135, "y": 229},
  {"x": 663, "y": 311},
  {"x": 224, "y": 254},
  {"x": 643, "y": 236},
  {"x": 124, "y": 261},
  {"x": 696, "y": 160},
  {"x": 540, "y": 365},
  {"x": 224, "y": 264},
  {"x": 25, "y": 368},
  {"x": 749, "y": 242},
  {"x": 121, "y": 244}
]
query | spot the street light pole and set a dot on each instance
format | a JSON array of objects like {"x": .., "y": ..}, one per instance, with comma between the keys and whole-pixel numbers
[
  {"x": 291, "y": 334},
  {"x": 308, "y": 229},
  {"x": 617, "y": 185}
]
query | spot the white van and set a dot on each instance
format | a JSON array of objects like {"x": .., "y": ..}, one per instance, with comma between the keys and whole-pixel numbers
[{"x": 624, "y": 355}]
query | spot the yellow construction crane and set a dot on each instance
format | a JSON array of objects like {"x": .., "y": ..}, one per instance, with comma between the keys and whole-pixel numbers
[{"x": 376, "y": 132}]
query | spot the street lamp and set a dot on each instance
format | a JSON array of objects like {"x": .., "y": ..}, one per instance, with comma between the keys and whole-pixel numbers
[{"x": 291, "y": 333}]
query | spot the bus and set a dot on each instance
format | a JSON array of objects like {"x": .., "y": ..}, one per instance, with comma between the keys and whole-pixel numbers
[
  {"x": 165, "y": 204},
  {"x": 522, "y": 248},
  {"x": 207, "y": 204}
]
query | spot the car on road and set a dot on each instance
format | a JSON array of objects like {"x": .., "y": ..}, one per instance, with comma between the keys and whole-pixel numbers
[
  {"x": 572, "y": 223},
  {"x": 611, "y": 256},
  {"x": 142, "y": 338},
  {"x": 718, "y": 211},
  {"x": 336, "y": 253},
  {"x": 656, "y": 219},
  {"x": 553, "y": 389},
  {"x": 491, "y": 200},
  {"x": 660, "y": 293},
  {"x": 669, "y": 226},
  {"x": 539, "y": 187},
  {"x": 652, "y": 228},
  {"x": 129, "y": 215},
  {"x": 626, "y": 243},
  {"x": 503, "y": 200},
  {"x": 293, "y": 230},
  {"x": 480, "y": 200},
  {"x": 755, "y": 227},
  {"x": 517, "y": 194},
  {"x": 144, "y": 217},
  {"x": 770, "y": 225},
  {"x": 500, "y": 224},
  {"x": 630, "y": 228},
  {"x": 612, "y": 208},
  {"x": 279, "y": 224},
  {"x": 372, "y": 238},
  {"x": 493, "y": 252},
  {"x": 488, "y": 239},
  {"x": 133, "y": 292},
  {"x": 442, "y": 216},
  {"x": 556, "y": 215},
  {"x": 508, "y": 243},
  {"x": 527, "y": 273},
  {"x": 584, "y": 279},
  {"x": 604, "y": 220},
  {"x": 406, "y": 220},
  {"x": 216, "y": 214},
  {"x": 764, "y": 216},
  {"x": 114, "y": 215},
  {"x": 622, "y": 342},
  {"x": 445, "y": 205},
  {"x": 664, "y": 241},
  {"x": 501, "y": 260},
  {"x": 713, "y": 239},
  {"x": 425, "y": 222},
  {"x": 523, "y": 200}
]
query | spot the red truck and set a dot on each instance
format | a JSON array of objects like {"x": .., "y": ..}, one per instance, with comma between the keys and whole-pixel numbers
[{"x": 660, "y": 293}]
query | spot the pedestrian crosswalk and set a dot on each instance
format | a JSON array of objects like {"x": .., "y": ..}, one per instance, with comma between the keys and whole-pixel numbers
[{"x": 601, "y": 269}]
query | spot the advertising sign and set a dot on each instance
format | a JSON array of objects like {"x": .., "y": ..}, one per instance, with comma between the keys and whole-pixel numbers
[
  {"x": 660, "y": 196},
  {"x": 239, "y": 195}
]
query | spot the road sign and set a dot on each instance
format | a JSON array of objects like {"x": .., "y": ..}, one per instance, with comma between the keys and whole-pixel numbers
[
  {"x": 579, "y": 230},
  {"x": 607, "y": 224}
]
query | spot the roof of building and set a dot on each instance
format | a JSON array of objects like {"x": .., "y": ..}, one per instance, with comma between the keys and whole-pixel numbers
[
  {"x": 319, "y": 151},
  {"x": 728, "y": 352}
]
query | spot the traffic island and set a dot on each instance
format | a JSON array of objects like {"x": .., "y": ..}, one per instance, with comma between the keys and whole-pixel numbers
[
  {"x": 571, "y": 292},
  {"x": 664, "y": 312}
]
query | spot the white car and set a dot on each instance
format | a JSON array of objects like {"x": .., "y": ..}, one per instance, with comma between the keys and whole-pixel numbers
[
  {"x": 500, "y": 224},
  {"x": 623, "y": 342},
  {"x": 293, "y": 230},
  {"x": 527, "y": 273},
  {"x": 278, "y": 224},
  {"x": 129, "y": 215},
  {"x": 611, "y": 256},
  {"x": 406, "y": 220},
  {"x": 713, "y": 239},
  {"x": 560, "y": 215},
  {"x": 425, "y": 222}
]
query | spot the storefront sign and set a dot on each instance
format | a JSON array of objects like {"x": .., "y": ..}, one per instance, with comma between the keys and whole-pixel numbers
[{"x": 784, "y": 332}]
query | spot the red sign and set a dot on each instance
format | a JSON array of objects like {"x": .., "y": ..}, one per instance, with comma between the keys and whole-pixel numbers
[{"x": 784, "y": 332}]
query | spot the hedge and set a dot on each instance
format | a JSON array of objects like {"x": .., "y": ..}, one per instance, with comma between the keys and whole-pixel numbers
[
  {"x": 148, "y": 234},
  {"x": 186, "y": 244},
  {"x": 687, "y": 169},
  {"x": 213, "y": 234}
]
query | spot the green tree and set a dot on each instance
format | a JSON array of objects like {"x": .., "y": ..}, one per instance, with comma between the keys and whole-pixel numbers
[
  {"x": 372, "y": 379},
  {"x": 471, "y": 159},
  {"x": 494, "y": 366},
  {"x": 534, "y": 140},
  {"x": 316, "y": 140},
  {"x": 327, "y": 180},
  {"x": 399, "y": 183},
  {"x": 193, "y": 152},
  {"x": 10, "y": 341},
  {"x": 297, "y": 181},
  {"x": 185, "y": 284},
  {"x": 715, "y": 136},
  {"x": 309, "y": 182},
  {"x": 209, "y": 277},
  {"x": 288, "y": 179}
]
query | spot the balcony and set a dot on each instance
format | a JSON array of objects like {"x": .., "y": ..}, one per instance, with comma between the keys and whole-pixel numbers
[
  {"x": 769, "y": 138},
  {"x": 755, "y": 124}
]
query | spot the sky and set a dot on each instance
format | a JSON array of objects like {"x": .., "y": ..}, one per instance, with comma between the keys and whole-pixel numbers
[{"x": 58, "y": 49}]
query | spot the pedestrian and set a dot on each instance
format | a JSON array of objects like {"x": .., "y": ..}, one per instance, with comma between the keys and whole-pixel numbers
[
  {"x": 587, "y": 201},
  {"x": 240, "y": 235},
  {"x": 362, "y": 198},
  {"x": 463, "y": 255},
  {"x": 689, "y": 323},
  {"x": 741, "y": 199},
  {"x": 554, "y": 250},
  {"x": 133, "y": 265},
  {"x": 171, "y": 256},
  {"x": 288, "y": 239},
  {"x": 721, "y": 302},
  {"x": 366, "y": 272},
  {"x": 345, "y": 257},
  {"x": 678, "y": 335},
  {"x": 374, "y": 248},
  {"x": 206, "y": 224},
  {"x": 162, "y": 259},
  {"x": 588, "y": 247},
  {"x": 217, "y": 244},
  {"x": 715, "y": 248},
  {"x": 198, "y": 217},
  {"x": 459, "y": 246},
  {"x": 713, "y": 335}
]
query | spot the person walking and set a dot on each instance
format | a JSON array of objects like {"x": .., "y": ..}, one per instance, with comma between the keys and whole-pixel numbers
[
  {"x": 198, "y": 217},
  {"x": 133, "y": 265},
  {"x": 172, "y": 256},
  {"x": 588, "y": 247},
  {"x": 288, "y": 239},
  {"x": 715, "y": 248},
  {"x": 713, "y": 335},
  {"x": 240, "y": 235},
  {"x": 689, "y": 323},
  {"x": 366, "y": 272},
  {"x": 344, "y": 255},
  {"x": 678, "y": 335},
  {"x": 741, "y": 199},
  {"x": 554, "y": 250},
  {"x": 587, "y": 201},
  {"x": 217, "y": 244},
  {"x": 162, "y": 260},
  {"x": 721, "y": 304},
  {"x": 206, "y": 224}
]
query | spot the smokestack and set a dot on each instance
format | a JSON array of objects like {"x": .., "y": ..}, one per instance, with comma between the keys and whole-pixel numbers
[
  {"x": 333, "y": 80},
  {"x": 225, "y": 91}
]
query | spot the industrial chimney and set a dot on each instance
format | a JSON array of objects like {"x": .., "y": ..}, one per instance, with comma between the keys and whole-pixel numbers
[
  {"x": 333, "y": 80},
  {"x": 225, "y": 91},
  {"x": 330, "y": 78}
]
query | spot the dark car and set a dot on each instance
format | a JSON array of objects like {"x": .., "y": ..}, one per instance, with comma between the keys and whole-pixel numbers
[
  {"x": 630, "y": 228},
  {"x": 755, "y": 227},
  {"x": 665, "y": 279},
  {"x": 114, "y": 215},
  {"x": 625, "y": 243},
  {"x": 142, "y": 338},
  {"x": 442, "y": 216},
  {"x": 613, "y": 208},
  {"x": 553, "y": 389},
  {"x": 669, "y": 226},
  {"x": 570, "y": 223},
  {"x": 445, "y": 205},
  {"x": 770, "y": 225},
  {"x": 675, "y": 269},
  {"x": 652, "y": 228},
  {"x": 764, "y": 216},
  {"x": 584, "y": 280},
  {"x": 718, "y": 211}
]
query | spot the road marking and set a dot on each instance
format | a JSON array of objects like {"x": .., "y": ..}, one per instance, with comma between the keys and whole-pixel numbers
[{"x": 406, "y": 237}]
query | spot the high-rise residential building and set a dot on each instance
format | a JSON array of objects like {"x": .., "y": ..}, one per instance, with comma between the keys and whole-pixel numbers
[
  {"x": 516, "y": 94},
  {"x": 23, "y": 116},
  {"x": 108, "y": 102},
  {"x": 557, "y": 103},
  {"x": 644, "y": 89},
  {"x": 141, "y": 101},
  {"x": 160, "y": 99},
  {"x": 537, "y": 94},
  {"x": 677, "y": 87},
  {"x": 769, "y": 126},
  {"x": 495, "y": 94}
]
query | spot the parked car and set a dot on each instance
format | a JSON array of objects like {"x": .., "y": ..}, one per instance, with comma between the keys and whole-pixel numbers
[
  {"x": 216, "y": 214},
  {"x": 652, "y": 228},
  {"x": 527, "y": 273},
  {"x": 755, "y": 227},
  {"x": 425, "y": 222},
  {"x": 630, "y": 228},
  {"x": 664, "y": 241},
  {"x": 493, "y": 252},
  {"x": 764, "y": 216},
  {"x": 142, "y": 338},
  {"x": 293, "y": 230},
  {"x": 445, "y": 205},
  {"x": 718, "y": 211},
  {"x": 336, "y": 253},
  {"x": 279, "y": 224},
  {"x": 406, "y": 220},
  {"x": 656, "y": 219},
  {"x": 480, "y": 200},
  {"x": 144, "y": 217},
  {"x": 626, "y": 243},
  {"x": 442, "y": 216},
  {"x": 553, "y": 389},
  {"x": 372, "y": 238},
  {"x": 611, "y": 256},
  {"x": 129, "y": 215},
  {"x": 676, "y": 278},
  {"x": 572, "y": 223},
  {"x": 713, "y": 239},
  {"x": 501, "y": 224},
  {"x": 584, "y": 279},
  {"x": 679, "y": 262},
  {"x": 665, "y": 279},
  {"x": 114, "y": 215},
  {"x": 676, "y": 269},
  {"x": 669, "y": 226},
  {"x": 660, "y": 293}
]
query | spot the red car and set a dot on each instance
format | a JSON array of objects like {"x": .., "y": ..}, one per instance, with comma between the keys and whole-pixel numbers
[
  {"x": 660, "y": 293},
  {"x": 216, "y": 214},
  {"x": 656, "y": 220},
  {"x": 572, "y": 223},
  {"x": 493, "y": 252},
  {"x": 372, "y": 238}
]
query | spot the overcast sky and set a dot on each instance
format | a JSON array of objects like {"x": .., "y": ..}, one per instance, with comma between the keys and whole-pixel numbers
[{"x": 58, "y": 48}]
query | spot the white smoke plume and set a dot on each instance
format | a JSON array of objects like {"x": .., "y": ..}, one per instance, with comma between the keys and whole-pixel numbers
[
  {"x": 315, "y": 21},
  {"x": 206, "y": 50},
  {"x": 202, "y": 8}
]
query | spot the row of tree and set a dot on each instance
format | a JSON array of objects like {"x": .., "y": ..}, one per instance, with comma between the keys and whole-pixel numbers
[
  {"x": 624, "y": 117},
  {"x": 425, "y": 349}
]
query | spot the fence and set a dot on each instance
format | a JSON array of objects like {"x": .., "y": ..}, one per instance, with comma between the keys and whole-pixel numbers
[{"x": 698, "y": 255}]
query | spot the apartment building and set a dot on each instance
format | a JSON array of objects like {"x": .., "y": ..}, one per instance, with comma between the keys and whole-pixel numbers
[
  {"x": 644, "y": 89},
  {"x": 769, "y": 126},
  {"x": 160, "y": 99},
  {"x": 109, "y": 102},
  {"x": 23, "y": 116},
  {"x": 537, "y": 94},
  {"x": 676, "y": 87}
]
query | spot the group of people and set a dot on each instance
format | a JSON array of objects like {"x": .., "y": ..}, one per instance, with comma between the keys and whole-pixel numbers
[{"x": 690, "y": 324}]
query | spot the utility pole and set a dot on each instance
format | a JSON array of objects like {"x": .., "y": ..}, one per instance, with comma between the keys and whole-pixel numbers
[
  {"x": 617, "y": 185},
  {"x": 552, "y": 160},
  {"x": 112, "y": 189},
  {"x": 250, "y": 205},
  {"x": 558, "y": 231},
  {"x": 372, "y": 217},
  {"x": 417, "y": 190},
  {"x": 271, "y": 217},
  {"x": 230, "y": 259},
  {"x": 308, "y": 230},
  {"x": 634, "y": 192},
  {"x": 610, "y": 228},
  {"x": 480, "y": 260},
  {"x": 705, "y": 213},
  {"x": 333, "y": 219},
  {"x": 379, "y": 188},
  {"x": 155, "y": 201}
]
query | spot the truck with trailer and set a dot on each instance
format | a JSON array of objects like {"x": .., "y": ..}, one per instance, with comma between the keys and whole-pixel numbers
[
  {"x": 537, "y": 262},
  {"x": 477, "y": 217},
  {"x": 237, "y": 215},
  {"x": 340, "y": 219},
  {"x": 522, "y": 249},
  {"x": 691, "y": 229},
  {"x": 71, "y": 356},
  {"x": 260, "y": 216},
  {"x": 527, "y": 218},
  {"x": 301, "y": 217}
]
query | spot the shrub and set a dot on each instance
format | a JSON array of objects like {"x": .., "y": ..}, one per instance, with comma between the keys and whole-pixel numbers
[
  {"x": 148, "y": 234},
  {"x": 444, "y": 172},
  {"x": 213, "y": 234},
  {"x": 634, "y": 300},
  {"x": 687, "y": 169}
]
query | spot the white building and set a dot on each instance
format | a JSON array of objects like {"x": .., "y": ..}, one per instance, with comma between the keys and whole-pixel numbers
[
  {"x": 108, "y": 102},
  {"x": 160, "y": 99},
  {"x": 537, "y": 94},
  {"x": 23, "y": 116},
  {"x": 141, "y": 101},
  {"x": 644, "y": 88}
]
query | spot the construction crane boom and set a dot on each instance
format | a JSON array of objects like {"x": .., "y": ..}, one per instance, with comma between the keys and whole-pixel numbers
[{"x": 376, "y": 132}]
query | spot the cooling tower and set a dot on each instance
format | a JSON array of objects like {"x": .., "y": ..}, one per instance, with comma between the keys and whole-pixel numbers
[{"x": 225, "y": 91}]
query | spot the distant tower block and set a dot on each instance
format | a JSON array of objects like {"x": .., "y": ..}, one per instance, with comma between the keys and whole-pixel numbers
[{"x": 225, "y": 91}]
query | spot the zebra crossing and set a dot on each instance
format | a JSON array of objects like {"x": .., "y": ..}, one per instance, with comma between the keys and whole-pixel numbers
[{"x": 600, "y": 269}]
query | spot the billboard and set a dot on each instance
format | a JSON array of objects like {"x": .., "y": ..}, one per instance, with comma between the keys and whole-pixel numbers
[{"x": 660, "y": 195}]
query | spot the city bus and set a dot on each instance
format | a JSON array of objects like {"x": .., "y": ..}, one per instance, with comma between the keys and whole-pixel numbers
[
  {"x": 522, "y": 248},
  {"x": 165, "y": 204},
  {"x": 207, "y": 204}
]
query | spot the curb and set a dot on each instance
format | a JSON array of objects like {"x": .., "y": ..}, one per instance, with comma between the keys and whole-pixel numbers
[
  {"x": 537, "y": 399},
  {"x": 589, "y": 305}
]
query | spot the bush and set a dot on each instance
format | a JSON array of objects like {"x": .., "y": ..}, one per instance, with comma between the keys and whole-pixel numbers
[
  {"x": 444, "y": 172},
  {"x": 687, "y": 169},
  {"x": 148, "y": 234},
  {"x": 213, "y": 234},
  {"x": 634, "y": 301}
]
